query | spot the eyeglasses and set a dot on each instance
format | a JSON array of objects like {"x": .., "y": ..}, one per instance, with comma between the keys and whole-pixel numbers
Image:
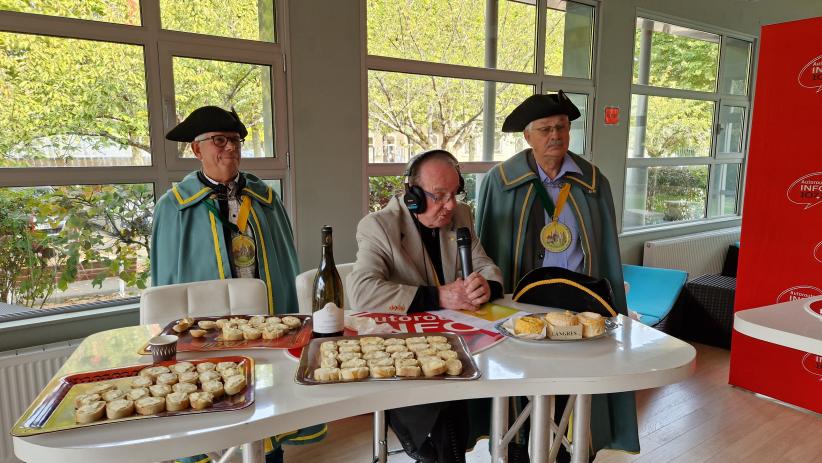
[
  {"x": 220, "y": 141},
  {"x": 559, "y": 128},
  {"x": 445, "y": 197}
]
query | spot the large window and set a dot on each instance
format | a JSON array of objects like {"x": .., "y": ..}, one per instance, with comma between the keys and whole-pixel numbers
[
  {"x": 89, "y": 89},
  {"x": 445, "y": 74},
  {"x": 689, "y": 114}
]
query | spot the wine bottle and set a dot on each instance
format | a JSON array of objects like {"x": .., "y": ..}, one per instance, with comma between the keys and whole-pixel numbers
[{"x": 327, "y": 288}]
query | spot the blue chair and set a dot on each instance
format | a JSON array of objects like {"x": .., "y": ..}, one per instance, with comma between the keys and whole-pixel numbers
[{"x": 653, "y": 291}]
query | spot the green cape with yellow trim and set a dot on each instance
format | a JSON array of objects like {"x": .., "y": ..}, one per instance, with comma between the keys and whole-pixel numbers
[
  {"x": 509, "y": 218},
  {"x": 187, "y": 242}
]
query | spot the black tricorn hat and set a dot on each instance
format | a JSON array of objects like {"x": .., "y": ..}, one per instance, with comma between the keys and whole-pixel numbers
[
  {"x": 207, "y": 119},
  {"x": 538, "y": 106},
  {"x": 564, "y": 289}
]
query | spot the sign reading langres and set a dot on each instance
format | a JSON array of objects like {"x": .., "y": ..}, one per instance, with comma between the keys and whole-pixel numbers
[
  {"x": 811, "y": 75},
  {"x": 798, "y": 292},
  {"x": 806, "y": 190}
]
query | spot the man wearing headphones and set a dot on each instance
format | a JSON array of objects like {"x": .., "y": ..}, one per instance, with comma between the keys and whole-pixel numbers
[{"x": 408, "y": 262}]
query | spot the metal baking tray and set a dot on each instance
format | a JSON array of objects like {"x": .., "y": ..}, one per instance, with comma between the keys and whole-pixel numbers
[
  {"x": 55, "y": 412},
  {"x": 610, "y": 326},
  {"x": 212, "y": 341},
  {"x": 310, "y": 360}
]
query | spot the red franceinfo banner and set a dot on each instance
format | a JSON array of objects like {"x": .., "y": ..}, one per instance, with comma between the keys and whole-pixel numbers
[{"x": 780, "y": 257}]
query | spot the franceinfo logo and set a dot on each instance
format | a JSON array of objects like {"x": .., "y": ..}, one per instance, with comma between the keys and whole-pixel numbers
[
  {"x": 806, "y": 190},
  {"x": 798, "y": 292},
  {"x": 811, "y": 75}
]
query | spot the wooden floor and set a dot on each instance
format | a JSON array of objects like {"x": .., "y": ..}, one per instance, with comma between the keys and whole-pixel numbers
[{"x": 702, "y": 419}]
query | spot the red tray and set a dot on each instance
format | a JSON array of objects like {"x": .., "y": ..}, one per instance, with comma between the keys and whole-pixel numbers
[
  {"x": 212, "y": 342},
  {"x": 55, "y": 412}
]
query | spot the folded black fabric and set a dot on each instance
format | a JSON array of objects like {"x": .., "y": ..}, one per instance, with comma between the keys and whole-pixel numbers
[{"x": 564, "y": 289}]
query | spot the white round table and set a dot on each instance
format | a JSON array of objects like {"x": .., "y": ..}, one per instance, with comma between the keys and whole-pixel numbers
[{"x": 634, "y": 357}]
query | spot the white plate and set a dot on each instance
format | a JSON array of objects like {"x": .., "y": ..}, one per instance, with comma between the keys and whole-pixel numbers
[{"x": 610, "y": 326}]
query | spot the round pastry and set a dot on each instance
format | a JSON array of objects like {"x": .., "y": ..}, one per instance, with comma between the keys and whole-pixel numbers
[
  {"x": 84, "y": 399},
  {"x": 427, "y": 358},
  {"x": 377, "y": 354},
  {"x": 292, "y": 322},
  {"x": 354, "y": 363},
  {"x": 395, "y": 342},
  {"x": 225, "y": 365},
  {"x": 426, "y": 353},
  {"x": 182, "y": 367},
  {"x": 409, "y": 371},
  {"x": 453, "y": 367},
  {"x": 593, "y": 324},
  {"x": 383, "y": 372},
  {"x": 279, "y": 326},
  {"x": 383, "y": 362},
  {"x": 272, "y": 333},
  {"x": 90, "y": 412},
  {"x": 372, "y": 340},
  {"x": 232, "y": 334},
  {"x": 215, "y": 388},
  {"x": 402, "y": 355},
  {"x": 207, "y": 324},
  {"x": 251, "y": 334},
  {"x": 329, "y": 362},
  {"x": 433, "y": 367},
  {"x": 180, "y": 327},
  {"x": 177, "y": 401},
  {"x": 188, "y": 377},
  {"x": 416, "y": 340},
  {"x": 186, "y": 388},
  {"x": 348, "y": 374},
  {"x": 418, "y": 346},
  {"x": 329, "y": 346},
  {"x": 137, "y": 393},
  {"x": 167, "y": 378},
  {"x": 209, "y": 376},
  {"x": 195, "y": 333},
  {"x": 273, "y": 320},
  {"x": 150, "y": 405},
  {"x": 366, "y": 348},
  {"x": 221, "y": 323},
  {"x": 436, "y": 339},
  {"x": 350, "y": 348},
  {"x": 562, "y": 319},
  {"x": 348, "y": 356},
  {"x": 159, "y": 390},
  {"x": 256, "y": 321},
  {"x": 238, "y": 321},
  {"x": 235, "y": 384},
  {"x": 447, "y": 354},
  {"x": 327, "y": 374},
  {"x": 529, "y": 325},
  {"x": 200, "y": 400},
  {"x": 330, "y": 354},
  {"x": 100, "y": 388},
  {"x": 395, "y": 348},
  {"x": 348, "y": 342},
  {"x": 154, "y": 372},
  {"x": 205, "y": 366},
  {"x": 119, "y": 408},
  {"x": 113, "y": 394},
  {"x": 141, "y": 381},
  {"x": 441, "y": 346},
  {"x": 406, "y": 363}
]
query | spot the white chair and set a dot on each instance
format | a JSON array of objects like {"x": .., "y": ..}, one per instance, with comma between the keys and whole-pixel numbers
[
  {"x": 305, "y": 286},
  {"x": 162, "y": 304}
]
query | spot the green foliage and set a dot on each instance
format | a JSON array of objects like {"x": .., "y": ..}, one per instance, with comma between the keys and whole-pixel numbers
[{"x": 678, "y": 192}]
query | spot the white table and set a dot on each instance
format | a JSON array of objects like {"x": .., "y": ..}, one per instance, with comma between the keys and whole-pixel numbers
[
  {"x": 790, "y": 324},
  {"x": 635, "y": 357}
]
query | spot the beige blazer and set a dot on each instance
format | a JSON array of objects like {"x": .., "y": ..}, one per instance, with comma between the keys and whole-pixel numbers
[{"x": 392, "y": 261}]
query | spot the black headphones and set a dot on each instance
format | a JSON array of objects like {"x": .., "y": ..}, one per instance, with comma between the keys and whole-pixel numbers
[{"x": 414, "y": 197}]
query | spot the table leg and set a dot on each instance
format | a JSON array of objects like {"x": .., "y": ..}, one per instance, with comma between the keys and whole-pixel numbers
[
  {"x": 254, "y": 452},
  {"x": 499, "y": 425},
  {"x": 540, "y": 428},
  {"x": 380, "y": 438},
  {"x": 582, "y": 429}
]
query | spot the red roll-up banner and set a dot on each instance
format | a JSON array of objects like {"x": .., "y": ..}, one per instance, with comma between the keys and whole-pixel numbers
[{"x": 780, "y": 257}]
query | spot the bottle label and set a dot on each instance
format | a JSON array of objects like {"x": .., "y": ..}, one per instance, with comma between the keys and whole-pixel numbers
[{"x": 329, "y": 319}]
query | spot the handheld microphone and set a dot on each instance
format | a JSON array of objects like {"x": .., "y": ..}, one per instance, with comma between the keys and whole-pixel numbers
[{"x": 464, "y": 248}]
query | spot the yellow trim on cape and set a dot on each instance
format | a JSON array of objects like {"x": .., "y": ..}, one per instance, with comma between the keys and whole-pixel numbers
[
  {"x": 572, "y": 283},
  {"x": 519, "y": 233},
  {"x": 280, "y": 437},
  {"x": 216, "y": 245},
  {"x": 505, "y": 178},
  {"x": 265, "y": 200},
  {"x": 593, "y": 185},
  {"x": 190, "y": 198},
  {"x": 317, "y": 434},
  {"x": 587, "y": 254},
  {"x": 259, "y": 232}
]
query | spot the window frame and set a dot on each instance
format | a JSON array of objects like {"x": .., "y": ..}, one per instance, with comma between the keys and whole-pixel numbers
[
  {"x": 159, "y": 45},
  {"x": 719, "y": 100},
  {"x": 540, "y": 81}
]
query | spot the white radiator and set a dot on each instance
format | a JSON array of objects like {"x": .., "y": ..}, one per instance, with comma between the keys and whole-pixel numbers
[
  {"x": 698, "y": 254},
  {"x": 23, "y": 374}
]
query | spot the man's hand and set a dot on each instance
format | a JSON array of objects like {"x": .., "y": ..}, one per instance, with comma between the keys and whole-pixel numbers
[
  {"x": 454, "y": 296},
  {"x": 477, "y": 289}
]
